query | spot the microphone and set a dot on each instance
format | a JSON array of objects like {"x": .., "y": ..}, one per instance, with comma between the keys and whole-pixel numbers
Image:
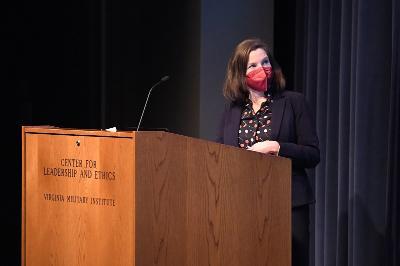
[{"x": 163, "y": 79}]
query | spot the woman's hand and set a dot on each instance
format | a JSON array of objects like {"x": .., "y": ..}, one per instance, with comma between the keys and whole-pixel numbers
[{"x": 267, "y": 147}]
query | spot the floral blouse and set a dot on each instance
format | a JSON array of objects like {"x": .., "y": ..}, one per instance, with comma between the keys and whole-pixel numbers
[{"x": 255, "y": 127}]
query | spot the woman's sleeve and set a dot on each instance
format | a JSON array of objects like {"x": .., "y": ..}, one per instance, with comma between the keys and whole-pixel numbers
[{"x": 305, "y": 152}]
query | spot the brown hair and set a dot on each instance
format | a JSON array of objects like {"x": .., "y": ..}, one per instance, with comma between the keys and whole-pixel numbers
[{"x": 235, "y": 88}]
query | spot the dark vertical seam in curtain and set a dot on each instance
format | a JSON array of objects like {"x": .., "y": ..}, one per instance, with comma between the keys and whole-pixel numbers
[
  {"x": 309, "y": 69},
  {"x": 331, "y": 182},
  {"x": 323, "y": 78},
  {"x": 323, "y": 100},
  {"x": 306, "y": 61},
  {"x": 312, "y": 82},
  {"x": 341, "y": 87},
  {"x": 343, "y": 166},
  {"x": 303, "y": 77},
  {"x": 309, "y": 79},
  {"x": 320, "y": 180},
  {"x": 392, "y": 197},
  {"x": 353, "y": 64}
]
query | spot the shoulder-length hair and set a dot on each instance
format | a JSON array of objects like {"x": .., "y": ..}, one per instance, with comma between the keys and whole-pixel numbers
[{"x": 235, "y": 88}]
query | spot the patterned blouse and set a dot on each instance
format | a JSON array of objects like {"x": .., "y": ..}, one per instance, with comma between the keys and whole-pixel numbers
[{"x": 255, "y": 127}]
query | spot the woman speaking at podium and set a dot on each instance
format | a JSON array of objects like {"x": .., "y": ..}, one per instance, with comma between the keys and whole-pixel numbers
[{"x": 264, "y": 117}]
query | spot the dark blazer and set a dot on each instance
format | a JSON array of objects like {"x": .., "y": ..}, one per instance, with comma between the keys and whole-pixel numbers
[{"x": 293, "y": 128}]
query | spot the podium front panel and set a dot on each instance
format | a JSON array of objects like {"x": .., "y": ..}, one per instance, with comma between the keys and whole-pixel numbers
[
  {"x": 202, "y": 203},
  {"x": 151, "y": 198},
  {"x": 78, "y": 199}
]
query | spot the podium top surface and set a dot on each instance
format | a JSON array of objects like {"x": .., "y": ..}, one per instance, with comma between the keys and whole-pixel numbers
[
  {"x": 76, "y": 132},
  {"x": 52, "y": 130}
]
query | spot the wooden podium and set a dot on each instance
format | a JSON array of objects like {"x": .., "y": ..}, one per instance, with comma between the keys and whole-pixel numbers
[{"x": 150, "y": 198}]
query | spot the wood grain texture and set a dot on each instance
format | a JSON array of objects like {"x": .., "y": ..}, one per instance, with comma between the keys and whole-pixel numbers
[
  {"x": 179, "y": 201},
  {"x": 201, "y": 203},
  {"x": 62, "y": 232},
  {"x": 160, "y": 199}
]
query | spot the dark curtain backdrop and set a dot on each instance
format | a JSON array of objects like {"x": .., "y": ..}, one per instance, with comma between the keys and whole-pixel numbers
[{"x": 347, "y": 58}]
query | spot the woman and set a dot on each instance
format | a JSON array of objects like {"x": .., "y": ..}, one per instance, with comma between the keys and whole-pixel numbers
[{"x": 263, "y": 117}]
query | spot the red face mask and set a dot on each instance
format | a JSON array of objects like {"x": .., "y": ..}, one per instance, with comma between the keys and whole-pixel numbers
[{"x": 258, "y": 78}]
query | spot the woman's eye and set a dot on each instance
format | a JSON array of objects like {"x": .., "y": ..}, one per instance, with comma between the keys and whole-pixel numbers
[
  {"x": 252, "y": 65},
  {"x": 265, "y": 62}
]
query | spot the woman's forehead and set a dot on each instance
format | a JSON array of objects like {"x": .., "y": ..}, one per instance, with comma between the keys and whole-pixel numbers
[{"x": 257, "y": 54}]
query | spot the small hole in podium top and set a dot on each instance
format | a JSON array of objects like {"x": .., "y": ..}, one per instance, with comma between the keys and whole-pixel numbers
[{"x": 78, "y": 143}]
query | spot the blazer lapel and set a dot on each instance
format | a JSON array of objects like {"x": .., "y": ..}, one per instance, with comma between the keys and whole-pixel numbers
[
  {"x": 232, "y": 131},
  {"x": 278, "y": 107}
]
